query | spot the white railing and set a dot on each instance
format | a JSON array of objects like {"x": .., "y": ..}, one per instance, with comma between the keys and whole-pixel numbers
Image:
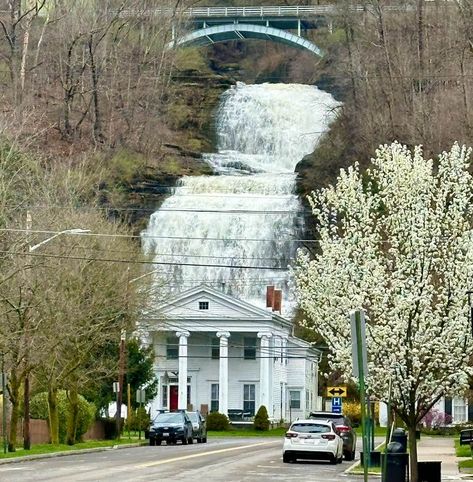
[{"x": 252, "y": 12}]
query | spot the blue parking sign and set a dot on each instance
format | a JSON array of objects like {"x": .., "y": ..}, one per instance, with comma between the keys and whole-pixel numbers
[{"x": 336, "y": 405}]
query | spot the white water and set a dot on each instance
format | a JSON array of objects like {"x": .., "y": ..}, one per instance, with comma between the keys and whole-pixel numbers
[{"x": 248, "y": 215}]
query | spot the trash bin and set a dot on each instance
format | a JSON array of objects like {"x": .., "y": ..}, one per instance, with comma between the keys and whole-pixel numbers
[
  {"x": 429, "y": 471},
  {"x": 399, "y": 435},
  {"x": 397, "y": 461}
]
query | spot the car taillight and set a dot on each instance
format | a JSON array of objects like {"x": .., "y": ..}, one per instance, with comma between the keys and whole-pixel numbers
[
  {"x": 329, "y": 436},
  {"x": 291, "y": 434},
  {"x": 343, "y": 428}
]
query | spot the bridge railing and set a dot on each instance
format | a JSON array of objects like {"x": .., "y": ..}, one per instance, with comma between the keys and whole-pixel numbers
[{"x": 252, "y": 12}]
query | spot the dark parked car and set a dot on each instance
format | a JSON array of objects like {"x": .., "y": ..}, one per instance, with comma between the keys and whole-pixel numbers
[
  {"x": 171, "y": 426},
  {"x": 199, "y": 427},
  {"x": 344, "y": 429}
]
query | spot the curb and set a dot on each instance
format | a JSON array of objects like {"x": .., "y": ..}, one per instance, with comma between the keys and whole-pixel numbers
[
  {"x": 65, "y": 453},
  {"x": 358, "y": 463}
]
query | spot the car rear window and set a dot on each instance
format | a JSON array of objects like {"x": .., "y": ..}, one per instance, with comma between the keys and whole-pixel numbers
[
  {"x": 310, "y": 428},
  {"x": 336, "y": 419},
  {"x": 169, "y": 418}
]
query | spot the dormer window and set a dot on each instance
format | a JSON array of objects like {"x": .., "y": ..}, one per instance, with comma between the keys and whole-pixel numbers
[{"x": 203, "y": 305}]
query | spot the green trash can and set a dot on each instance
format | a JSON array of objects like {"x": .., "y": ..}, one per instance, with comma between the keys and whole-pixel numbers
[{"x": 397, "y": 462}]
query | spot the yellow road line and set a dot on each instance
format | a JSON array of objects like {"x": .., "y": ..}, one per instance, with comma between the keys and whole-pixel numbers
[{"x": 203, "y": 454}]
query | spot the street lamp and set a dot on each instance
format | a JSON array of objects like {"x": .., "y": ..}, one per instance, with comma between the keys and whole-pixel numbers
[
  {"x": 26, "y": 391},
  {"x": 66, "y": 231}
]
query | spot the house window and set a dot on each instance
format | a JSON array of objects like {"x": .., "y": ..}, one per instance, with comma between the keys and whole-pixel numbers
[
  {"x": 459, "y": 410},
  {"x": 165, "y": 396},
  {"x": 172, "y": 349},
  {"x": 295, "y": 399},
  {"x": 249, "y": 351},
  {"x": 215, "y": 349},
  {"x": 214, "y": 397},
  {"x": 203, "y": 305},
  {"x": 249, "y": 399}
]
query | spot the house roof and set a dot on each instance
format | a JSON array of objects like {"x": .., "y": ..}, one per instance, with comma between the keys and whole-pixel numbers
[{"x": 179, "y": 306}]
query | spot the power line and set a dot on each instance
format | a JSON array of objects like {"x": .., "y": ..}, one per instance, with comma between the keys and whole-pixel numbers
[
  {"x": 151, "y": 236},
  {"x": 131, "y": 261}
]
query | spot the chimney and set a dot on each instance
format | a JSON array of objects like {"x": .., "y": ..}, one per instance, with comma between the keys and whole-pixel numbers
[
  {"x": 277, "y": 300},
  {"x": 269, "y": 297}
]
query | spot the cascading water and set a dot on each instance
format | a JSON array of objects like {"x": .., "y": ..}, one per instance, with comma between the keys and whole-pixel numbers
[{"x": 235, "y": 231}]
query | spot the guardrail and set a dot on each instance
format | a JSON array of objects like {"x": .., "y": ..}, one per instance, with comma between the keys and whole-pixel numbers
[{"x": 260, "y": 12}]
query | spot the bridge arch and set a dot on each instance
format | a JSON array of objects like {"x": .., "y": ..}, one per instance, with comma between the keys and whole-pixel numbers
[{"x": 242, "y": 31}]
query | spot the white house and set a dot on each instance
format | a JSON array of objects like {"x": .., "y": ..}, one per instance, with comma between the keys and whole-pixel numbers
[{"x": 215, "y": 352}]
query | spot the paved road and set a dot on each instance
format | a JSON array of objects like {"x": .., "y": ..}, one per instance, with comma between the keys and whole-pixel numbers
[{"x": 222, "y": 459}]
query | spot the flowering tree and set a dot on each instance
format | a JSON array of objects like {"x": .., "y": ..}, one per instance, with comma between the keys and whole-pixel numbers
[{"x": 396, "y": 241}]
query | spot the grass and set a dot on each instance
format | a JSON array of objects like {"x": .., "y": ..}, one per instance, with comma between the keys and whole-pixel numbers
[
  {"x": 39, "y": 449},
  {"x": 466, "y": 464},
  {"x": 378, "y": 431},
  {"x": 371, "y": 470},
  {"x": 462, "y": 450},
  {"x": 248, "y": 432}
]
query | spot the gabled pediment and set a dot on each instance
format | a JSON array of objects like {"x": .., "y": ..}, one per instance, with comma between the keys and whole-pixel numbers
[{"x": 204, "y": 302}]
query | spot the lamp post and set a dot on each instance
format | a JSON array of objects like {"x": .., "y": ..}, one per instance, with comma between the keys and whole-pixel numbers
[
  {"x": 26, "y": 391},
  {"x": 121, "y": 376}
]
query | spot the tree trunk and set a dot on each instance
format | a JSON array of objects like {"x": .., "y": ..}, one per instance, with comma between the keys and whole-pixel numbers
[
  {"x": 413, "y": 452},
  {"x": 26, "y": 415},
  {"x": 72, "y": 417},
  {"x": 53, "y": 415},
  {"x": 14, "y": 392}
]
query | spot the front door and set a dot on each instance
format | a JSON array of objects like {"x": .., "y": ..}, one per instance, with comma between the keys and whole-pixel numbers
[{"x": 173, "y": 397}]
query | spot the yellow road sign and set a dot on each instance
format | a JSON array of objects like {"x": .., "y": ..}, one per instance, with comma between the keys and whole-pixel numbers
[{"x": 340, "y": 391}]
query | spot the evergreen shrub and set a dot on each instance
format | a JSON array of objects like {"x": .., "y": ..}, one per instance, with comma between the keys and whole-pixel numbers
[{"x": 261, "y": 419}]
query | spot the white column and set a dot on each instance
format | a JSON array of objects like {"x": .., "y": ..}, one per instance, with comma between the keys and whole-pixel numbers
[
  {"x": 265, "y": 366},
  {"x": 223, "y": 373},
  {"x": 182, "y": 395}
]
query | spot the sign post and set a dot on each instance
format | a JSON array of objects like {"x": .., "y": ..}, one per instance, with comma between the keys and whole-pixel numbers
[
  {"x": 140, "y": 398},
  {"x": 360, "y": 368}
]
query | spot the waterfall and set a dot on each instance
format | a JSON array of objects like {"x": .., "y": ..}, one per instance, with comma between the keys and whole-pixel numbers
[{"x": 237, "y": 230}]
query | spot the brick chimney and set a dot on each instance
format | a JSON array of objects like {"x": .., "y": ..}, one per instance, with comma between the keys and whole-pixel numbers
[
  {"x": 270, "y": 297},
  {"x": 277, "y": 300}
]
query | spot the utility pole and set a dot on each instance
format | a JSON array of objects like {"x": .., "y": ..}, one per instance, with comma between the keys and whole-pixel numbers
[
  {"x": 4, "y": 406},
  {"x": 26, "y": 394},
  {"x": 121, "y": 376}
]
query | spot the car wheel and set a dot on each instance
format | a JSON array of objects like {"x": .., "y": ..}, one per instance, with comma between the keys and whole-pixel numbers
[
  {"x": 287, "y": 459},
  {"x": 204, "y": 440},
  {"x": 199, "y": 440},
  {"x": 190, "y": 440},
  {"x": 333, "y": 459},
  {"x": 158, "y": 442},
  {"x": 340, "y": 459},
  {"x": 184, "y": 440},
  {"x": 152, "y": 441},
  {"x": 350, "y": 455}
]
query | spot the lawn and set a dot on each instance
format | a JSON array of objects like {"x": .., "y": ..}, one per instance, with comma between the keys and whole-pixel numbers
[
  {"x": 462, "y": 450},
  {"x": 378, "y": 431},
  {"x": 38, "y": 449},
  {"x": 248, "y": 432}
]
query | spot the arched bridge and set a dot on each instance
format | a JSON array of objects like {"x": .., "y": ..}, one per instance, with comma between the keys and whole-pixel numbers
[{"x": 284, "y": 24}]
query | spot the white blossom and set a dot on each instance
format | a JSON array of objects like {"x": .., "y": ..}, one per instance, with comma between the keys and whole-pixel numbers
[{"x": 397, "y": 242}]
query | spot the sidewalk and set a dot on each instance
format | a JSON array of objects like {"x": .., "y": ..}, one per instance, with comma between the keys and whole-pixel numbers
[{"x": 440, "y": 448}]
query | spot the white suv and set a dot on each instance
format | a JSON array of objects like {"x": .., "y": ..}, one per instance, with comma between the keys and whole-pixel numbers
[{"x": 312, "y": 439}]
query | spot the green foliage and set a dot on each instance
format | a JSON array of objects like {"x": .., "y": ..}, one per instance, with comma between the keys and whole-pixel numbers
[
  {"x": 138, "y": 419},
  {"x": 139, "y": 374},
  {"x": 125, "y": 165},
  {"x": 261, "y": 419},
  {"x": 39, "y": 409},
  {"x": 217, "y": 421}
]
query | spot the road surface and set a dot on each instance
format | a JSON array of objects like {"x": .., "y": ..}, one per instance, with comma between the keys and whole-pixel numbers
[{"x": 221, "y": 459}]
